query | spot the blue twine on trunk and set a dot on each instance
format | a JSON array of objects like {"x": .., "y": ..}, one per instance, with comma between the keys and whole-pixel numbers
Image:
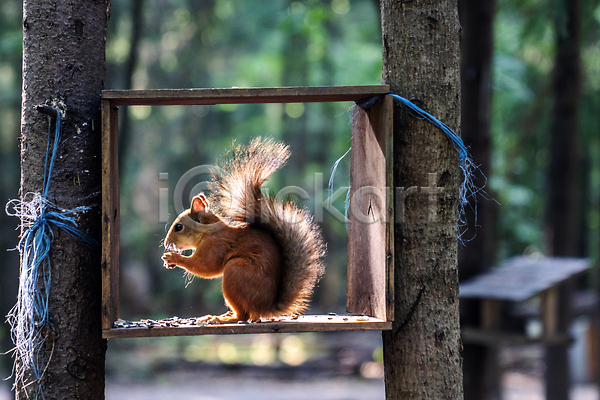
[
  {"x": 467, "y": 188},
  {"x": 29, "y": 318}
]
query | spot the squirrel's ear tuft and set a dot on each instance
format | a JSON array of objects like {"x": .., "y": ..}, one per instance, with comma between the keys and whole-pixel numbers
[{"x": 199, "y": 203}]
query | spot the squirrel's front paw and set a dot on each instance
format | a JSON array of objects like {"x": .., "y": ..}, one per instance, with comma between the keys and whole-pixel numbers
[{"x": 170, "y": 260}]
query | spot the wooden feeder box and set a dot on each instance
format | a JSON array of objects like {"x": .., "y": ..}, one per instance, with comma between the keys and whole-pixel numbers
[
  {"x": 370, "y": 293},
  {"x": 518, "y": 280}
]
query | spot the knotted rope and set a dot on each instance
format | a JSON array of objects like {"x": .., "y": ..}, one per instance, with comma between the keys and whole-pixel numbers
[{"x": 29, "y": 318}]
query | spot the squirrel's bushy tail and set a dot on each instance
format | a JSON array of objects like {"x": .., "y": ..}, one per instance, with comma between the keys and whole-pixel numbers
[{"x": 237, "y": 198}]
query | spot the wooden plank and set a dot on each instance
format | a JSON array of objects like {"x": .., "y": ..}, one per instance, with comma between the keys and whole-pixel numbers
[
  {"x": 163, "y": 97},
  {"x": 549, "y": 311},
  {"x": 312, "y": 323},
  {"x": 110, "y": 215},
  {"x": 521, "y": 278},
  {"x": 386, "y": 120},
  {"x": 494, "y": 338},
  {"x": 369, "y": 237},
  {"x": 490, "y": 313},
  {"x": 591, "y": 342}
]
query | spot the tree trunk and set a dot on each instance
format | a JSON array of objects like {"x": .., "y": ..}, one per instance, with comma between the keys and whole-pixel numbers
[
  {"x": 64, "y": 66},
  {"x": 137, "y": 23},
  {"x": 477, "y": 18},
  {"x": 561, "y": 217},
  {"x": 421, "y": 62},
  {"x": 562, "y": 222},
  {"x": 481, "y": 375}
]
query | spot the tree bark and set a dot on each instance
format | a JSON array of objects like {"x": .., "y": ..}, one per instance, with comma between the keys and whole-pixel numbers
[
  {"x": 481, "y": 375},
  {"x": 64, "y": 66},
  {"x": 562, "y": 222},
  {"x": 421, "y": 62}
]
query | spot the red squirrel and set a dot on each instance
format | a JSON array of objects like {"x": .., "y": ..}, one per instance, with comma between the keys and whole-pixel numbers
[{"x": 268, "y": 252}]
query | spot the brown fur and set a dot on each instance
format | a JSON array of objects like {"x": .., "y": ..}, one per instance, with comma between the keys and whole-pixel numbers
[{"x": 269, "y": 253}]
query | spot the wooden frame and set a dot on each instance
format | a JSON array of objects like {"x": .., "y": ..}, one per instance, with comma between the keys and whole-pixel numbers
[{"x": 370, "y": 245}]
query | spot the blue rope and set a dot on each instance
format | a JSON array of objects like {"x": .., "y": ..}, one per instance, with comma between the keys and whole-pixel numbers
[
  {"x": 459, "y": 146},
  {"x": 29, "y": 318},
  {"x": 332, "y": 174},
  {"x": 330, "y": 186},
  {"x": 467, "y": 188}
]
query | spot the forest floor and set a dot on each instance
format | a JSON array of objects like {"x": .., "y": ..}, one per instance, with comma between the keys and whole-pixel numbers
[
  {"x": 516, "y": 386},
  {"x": 189, "y": 386},
  {"x": 342, "y": 366}
]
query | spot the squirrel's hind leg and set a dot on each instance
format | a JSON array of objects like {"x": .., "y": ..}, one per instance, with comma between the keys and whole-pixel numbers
[{"x": 250, "y": 290}]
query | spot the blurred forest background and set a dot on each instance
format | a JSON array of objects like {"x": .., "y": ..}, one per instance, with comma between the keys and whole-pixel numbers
[{"x": 225, "y": 43}]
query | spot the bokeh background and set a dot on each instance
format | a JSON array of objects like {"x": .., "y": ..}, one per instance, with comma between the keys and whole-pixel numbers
[{"x": 225, "y": 43}]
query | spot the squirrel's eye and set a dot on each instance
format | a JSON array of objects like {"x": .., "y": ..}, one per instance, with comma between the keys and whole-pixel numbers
[{"x": 178, "y": 227}]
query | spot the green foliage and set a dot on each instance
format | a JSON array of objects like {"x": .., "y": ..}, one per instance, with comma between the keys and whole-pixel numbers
[
  {"x": 521, "y": 115},
  {"x": 10, "y": 102},
  {"x": 224, "y": 43}
]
